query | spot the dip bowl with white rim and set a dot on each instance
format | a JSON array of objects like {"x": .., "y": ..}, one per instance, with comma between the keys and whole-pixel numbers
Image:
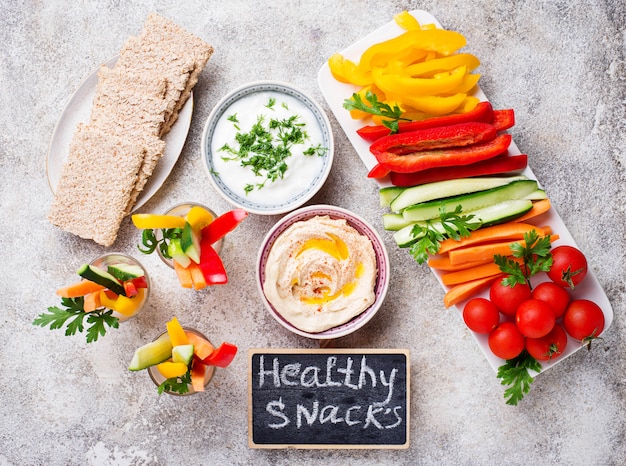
[
  {"x": 363, "y": 228},
  {"x": 287, "y": 181}
]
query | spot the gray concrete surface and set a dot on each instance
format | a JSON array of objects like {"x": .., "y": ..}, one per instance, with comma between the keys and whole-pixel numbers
[{"x": 560, "y": 65}]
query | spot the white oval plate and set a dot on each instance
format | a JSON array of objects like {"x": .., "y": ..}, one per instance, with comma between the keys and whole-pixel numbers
[
  {"x": 239, "y": 200},
  {"x": 335, "y": 93},
  {"x": 78, "y": 110}
]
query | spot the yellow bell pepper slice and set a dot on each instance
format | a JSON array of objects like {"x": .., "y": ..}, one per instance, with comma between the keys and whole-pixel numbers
[
  {"x": 441, "y": 41},
  {"x": 123, "y": 304},
  {"x": 145, "y": 221},
  {"x": 346, "y": 71},
  {"x": 402, "y": 85},
  {"x": 176, "y": 332},
  {"x": 436, "y": 105},
  {"x": 426, "y": 68},
  {"x": 169, "y": 369},
  {"x": 198, "y": 217},
  {"x": 407, "y": 21}
]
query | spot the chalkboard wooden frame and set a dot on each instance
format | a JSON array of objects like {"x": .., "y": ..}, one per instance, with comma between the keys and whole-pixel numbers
[{"x": 328, "y": 398}]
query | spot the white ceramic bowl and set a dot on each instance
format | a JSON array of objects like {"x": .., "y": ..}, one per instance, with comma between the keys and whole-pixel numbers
[
  {"x": 382, "y": 261},
  {"x": 304, "y": 176}
]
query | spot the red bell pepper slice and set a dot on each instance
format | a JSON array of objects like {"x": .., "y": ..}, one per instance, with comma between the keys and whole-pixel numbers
[
  {"x": 418, "y": 161},
  {"x": 130, "y": 288},
  {"x": 211, "y": 264},
  {"x": 503, "y": 119},
  {"x": 221, "y": 356},
  {"x": 443, "y": 137},
  {"x": 223, "y": 225},
  {"x": 378, "y": 171},
  {"x": 496, "y": 165},
  {"x": 140, "y": 282},
  {"x": 483, "y": 112}
]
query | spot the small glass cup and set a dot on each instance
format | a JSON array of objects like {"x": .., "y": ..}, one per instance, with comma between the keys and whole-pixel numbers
[
  {"x": 181, "y": 210},
  {"x": 114, "y": 258},
  {"x": 158, "y": 378}
]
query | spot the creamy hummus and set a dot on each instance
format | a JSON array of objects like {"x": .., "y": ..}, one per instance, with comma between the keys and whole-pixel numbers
[{"x": 320, "y": 273}]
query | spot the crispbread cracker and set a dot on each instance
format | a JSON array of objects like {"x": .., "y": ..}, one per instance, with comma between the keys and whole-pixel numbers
[
  {"x": 129, "y": 102},
  {"x": 96, "y": 184},
  {"x": 154, "y": 148}
]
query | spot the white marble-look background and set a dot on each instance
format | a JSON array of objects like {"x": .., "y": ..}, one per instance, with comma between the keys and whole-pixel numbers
[{"x": 559, "y": 64}]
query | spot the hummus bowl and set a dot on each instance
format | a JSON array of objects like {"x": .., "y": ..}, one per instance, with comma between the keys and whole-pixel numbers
[
  {"x": 380, "y": 280},
  {"x": 267, "y": 147}
]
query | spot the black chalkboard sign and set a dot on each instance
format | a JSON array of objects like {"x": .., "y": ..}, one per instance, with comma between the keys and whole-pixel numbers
[{"x": 328, "y": 398}]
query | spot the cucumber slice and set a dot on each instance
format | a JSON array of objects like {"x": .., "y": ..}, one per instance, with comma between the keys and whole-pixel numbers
[
  {"x": 190, "y": 242},
  {"x": 101, "y": 277},
  {"x": 175, "y": 250},
  {"x": 448, "y": 188},
  {"x": 182, "y": 353},
  {"x": 388, "y": 194},
  {"x": 394, "y": 222},
  {"x": 152, "y": 353},
  {"x": 536, "y": 195},
  {"x": 472, "y": 201},
  {"x": 491, "y": 215},
  {"x": 125, "y": 272}
]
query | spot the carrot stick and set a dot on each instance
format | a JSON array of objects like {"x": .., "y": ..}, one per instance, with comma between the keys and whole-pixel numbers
[
  {"x": 538, "y": 208},
  {"x": 443, "y": 263},
  {"x": 508, "y": 230},
  {"x": 473, "y": 273},
  {"x": 197, "y": 376},
  {"x": 81, "y": 288},
  {"x": 485, "y": 251},
  {"x": 464, "y": 290},
  {"x": 91, "y": 301},
  {"x": 201, "y": 348},
  {"x": 184, "y": 275},
  {"x": 197, "y": 277}
]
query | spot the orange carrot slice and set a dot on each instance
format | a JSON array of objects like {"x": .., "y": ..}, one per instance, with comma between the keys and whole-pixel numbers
[
  {"x": 504, "y": 231},
  {"x": 539, "y": 207},
  {"x": 81, "y": 288},
  {"x": 486, "y": 251},
  {"x": 92, "y": 301},
  {"x": 443, "y": 263},
  {"x": 197, "y": 277},
  {"x": 465, "y": 290},
  {"x": 201, "y": 348},
  {"x": 184, "y": 275}
]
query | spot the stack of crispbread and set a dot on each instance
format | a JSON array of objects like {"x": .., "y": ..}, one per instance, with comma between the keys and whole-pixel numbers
[{"x": 113, "y": 155}]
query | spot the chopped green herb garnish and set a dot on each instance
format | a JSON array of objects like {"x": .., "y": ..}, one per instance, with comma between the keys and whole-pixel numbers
[
  {"x": 393, "y": 114},
  {"x": 97, "y": 320},
  {"x": 267, "y": 146}
]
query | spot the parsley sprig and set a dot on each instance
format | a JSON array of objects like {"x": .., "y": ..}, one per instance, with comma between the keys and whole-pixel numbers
[
  {"x": 533, "y": 256},
  {"x": 267, "y": 146},
  {"x": 178, "y": 385},
  {"x": 392, "y": 114},
  {"x": 514, "y": 373},
  {"x": 432, "y": 232},
  {"x": 77, "y": 319}
]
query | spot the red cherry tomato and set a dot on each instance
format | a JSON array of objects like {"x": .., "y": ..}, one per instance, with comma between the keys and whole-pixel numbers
[
  {"x": 569, "y": 266},
  {"x": 583, "y": 320},
  {"x": 534, "y": 318},
  {"x": 481, "y": 315},
  {"x": 506, "y": 341},
  {"x": 507, "y": 298},
  {"x": 549, "y": 347},
  {"x": 556, "y": 296}
]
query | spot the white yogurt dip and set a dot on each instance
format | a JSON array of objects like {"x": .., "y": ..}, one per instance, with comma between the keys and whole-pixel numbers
[{"x": 301, "y": 170}]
